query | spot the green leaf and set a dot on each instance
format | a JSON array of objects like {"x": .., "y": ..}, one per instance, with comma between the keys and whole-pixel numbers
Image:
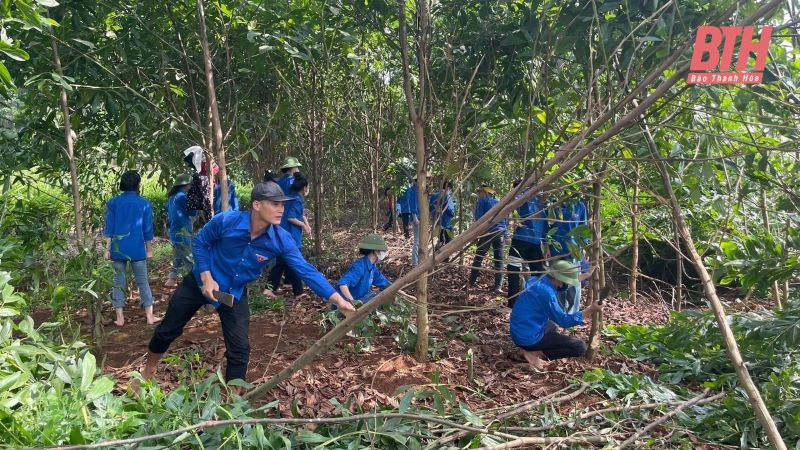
[
  {"x": 469, "y": 415},
  {"x": 309, "y": 437},
  {"x": 406, "y": 401},
  {"x": 88, "y": 369}
]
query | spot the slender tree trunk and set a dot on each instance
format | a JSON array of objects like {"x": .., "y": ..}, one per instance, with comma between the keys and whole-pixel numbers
[
  {"x": 678, "y": 267},
  {"x": 418, "y": 121},
  {"x": 598, "y": 282},
  {"x": 204, "y": 141},
  {"x": 776, "y": 293},
  {"x": 632, "y": 282},
  {"x": 762, "y": 413},
  {"x": 70, "y": 144},
  {"x": 95, "y": 308},
  {"x": 216, "y": 125}
]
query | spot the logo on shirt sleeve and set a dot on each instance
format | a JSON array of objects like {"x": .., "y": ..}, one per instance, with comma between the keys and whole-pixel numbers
[{"x": 261, "y": 258}]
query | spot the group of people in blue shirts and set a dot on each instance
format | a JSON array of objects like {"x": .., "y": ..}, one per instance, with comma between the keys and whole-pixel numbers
[
  {"x": 234, "y": 247},
  {"x": 545, "y": 244}
]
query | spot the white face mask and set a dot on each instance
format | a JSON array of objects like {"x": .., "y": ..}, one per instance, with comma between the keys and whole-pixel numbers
[{"x": 381, "y": 255}]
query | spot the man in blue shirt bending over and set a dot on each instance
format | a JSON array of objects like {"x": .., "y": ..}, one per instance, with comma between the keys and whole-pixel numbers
[{"x": 232, "y": 250}]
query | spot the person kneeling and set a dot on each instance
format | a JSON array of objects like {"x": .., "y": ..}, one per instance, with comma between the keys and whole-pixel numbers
[
  {"x": 357, "y": 282},
  {"x": 534, "y": 313}
]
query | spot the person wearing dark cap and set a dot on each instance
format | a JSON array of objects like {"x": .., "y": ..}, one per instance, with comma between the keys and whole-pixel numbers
[
  {"x": 290, "y": 166},
  {"x": 536, "y": 313},
  {"x": 230, "y": 251},
  {"x": 179, "y": 222},
  {"x": 357, "y": 282},
  {"x": 494, "y": 238},
  {"x": 128, "y": 234}
]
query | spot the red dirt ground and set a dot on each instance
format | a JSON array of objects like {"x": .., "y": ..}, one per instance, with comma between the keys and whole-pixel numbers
[{"x": 370, "y": 377}]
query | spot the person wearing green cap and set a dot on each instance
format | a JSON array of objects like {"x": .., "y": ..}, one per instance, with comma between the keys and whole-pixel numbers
[
  {"x": 357, "y": 282},
  {"x": 179, "y": 222},
  {"x": 537, "y": 311},
  {"x": 289, "y": 167}
]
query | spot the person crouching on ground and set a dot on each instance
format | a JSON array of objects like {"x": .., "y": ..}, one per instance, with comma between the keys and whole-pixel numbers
[
  {"x": 357, "y": 282},
  {"x": 532, "y": 316},
  {"x": 230, "y": 251}
]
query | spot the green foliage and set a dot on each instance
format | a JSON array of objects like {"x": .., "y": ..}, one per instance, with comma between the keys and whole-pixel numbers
[{"x": 689, "y": 349}]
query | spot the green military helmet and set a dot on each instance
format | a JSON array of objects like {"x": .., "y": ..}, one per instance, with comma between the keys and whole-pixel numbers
[
  {"x": 373, "y": 242},
  {"x": 290, "y": 162},
  {"x": 182, "y": 180}
]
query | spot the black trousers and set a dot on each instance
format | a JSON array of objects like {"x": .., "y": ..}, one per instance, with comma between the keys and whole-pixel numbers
[
  {"x": 281, "y": 270},
  {"x": 556, "y": 346},
  {"x": 183, "y": 305},
  {"x": 495, "y": 241},
  {"x": 389, "y": 219},
  {"x": 406, "y": 219},
  {"x": 521, "y": 253}
]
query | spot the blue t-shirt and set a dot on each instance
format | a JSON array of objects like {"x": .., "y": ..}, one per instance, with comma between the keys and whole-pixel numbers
[
  {"x": 447, "y": 206},
  {"x": 129, "y": 224},
  {"x": 294, "y": 210},
  {"x": 179, "y": 218},
  {"x": 233, "y": 199},
  {"x": 361, "y": 276},
  {"x": 409, "y": 203},
  {"x": 224, "y": 247},
  {"x": 566, "y": 218},
  {"x": 285, "y": 183},
  {"x": 534, "y": 308},
  {"x": 533, "y": 225},
  {"x": 484, "y": 205}
]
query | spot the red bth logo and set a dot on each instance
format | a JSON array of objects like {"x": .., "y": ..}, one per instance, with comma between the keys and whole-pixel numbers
[{"x": 703, "y": 45}]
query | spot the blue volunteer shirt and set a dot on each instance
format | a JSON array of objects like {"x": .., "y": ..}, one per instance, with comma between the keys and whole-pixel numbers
[
  {"x": 285, "y": 183},
  {"x": 566, "y": 218},
  {"x": 534, "y": 308},
  {"x": 179, "y": 218},
  {"x": 294, "y": 210},
  {"x": 224, "y": 247},
  {"x": 533, "y": 221},
  {"x": 484, "y": 205},
  {"x": 447, "y": 206},
  {"x": 129, "y": 224},
  {"x": 361, "y": 276},
  {"x": 233, "y": 199},
  {"x": 402, "y": 201}
]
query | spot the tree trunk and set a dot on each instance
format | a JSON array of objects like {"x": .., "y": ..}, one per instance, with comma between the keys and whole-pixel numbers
[
  {"x": 418, "y": 121},
  {"x": 776, "y": 293},
  {"x": 762, "y": 413},
  {"x": 598, "y": 282},
  {"x": 94, "y": 309},
  {"x": 216, "y": 125},
  {"x": 634, "y": 278}
]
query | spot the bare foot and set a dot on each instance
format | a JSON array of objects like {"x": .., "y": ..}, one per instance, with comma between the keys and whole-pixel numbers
[
  {"x": 534, "y": 358},
  {"x": 269, "y": 294},
  {"x": 154, "y": 320},
  {"x": 119, "y": 323},
  {"x": 171, "y": 282}
]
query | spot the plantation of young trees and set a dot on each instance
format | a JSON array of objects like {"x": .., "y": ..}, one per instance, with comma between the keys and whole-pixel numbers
[{"x": 692, "y": 190}]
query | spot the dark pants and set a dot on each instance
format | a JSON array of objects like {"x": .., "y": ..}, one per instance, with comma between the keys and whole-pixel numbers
[
  {"x": 494, "y": 240},
  {"x": 281, "y": 270},
  {"x": 235, "y": 321},
  {"x": 522, "y": 253},
  {"x": 406, "y": 218},
  {"x": 389, "y": 220},
  {"x": 445, "y": 236},
  {"x": 556, "y": 346}
]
